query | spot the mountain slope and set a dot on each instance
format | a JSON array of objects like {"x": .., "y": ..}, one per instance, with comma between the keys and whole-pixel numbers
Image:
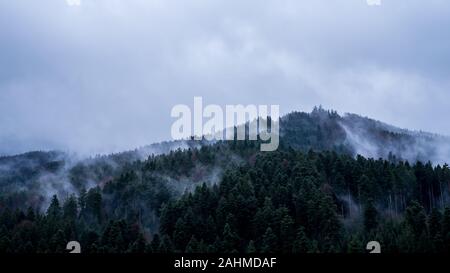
[
  {"x": 326, "y": 130},
  {"x": 228, "y": 196},
  {"x": 32, "y": 178}
]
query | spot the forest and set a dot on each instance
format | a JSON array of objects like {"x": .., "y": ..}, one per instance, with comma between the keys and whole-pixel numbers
[
  {"x": 287, "y": 201},
  {"x": 315, "y": 194}
]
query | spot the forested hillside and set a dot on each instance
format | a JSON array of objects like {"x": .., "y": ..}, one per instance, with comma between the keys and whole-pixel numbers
[
  {"x": 315, "y": 194},
  {"x": 326, "y": 130}
]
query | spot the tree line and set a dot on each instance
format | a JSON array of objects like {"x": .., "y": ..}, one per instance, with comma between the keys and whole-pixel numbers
[{"x": 286, "y": 201}]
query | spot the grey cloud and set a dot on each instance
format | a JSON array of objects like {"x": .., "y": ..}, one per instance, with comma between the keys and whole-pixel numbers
[{"x": 103, "y": 77}]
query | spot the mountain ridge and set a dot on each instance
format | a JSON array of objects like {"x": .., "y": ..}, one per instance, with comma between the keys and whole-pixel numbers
[
  {"x": 141, "y": 153},
  {"x": 60, "y": 173}
]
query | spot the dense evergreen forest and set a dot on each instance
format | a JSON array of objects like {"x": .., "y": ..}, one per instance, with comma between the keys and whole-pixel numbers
[
  {"x": 313, "y": 195},
  {"x": 286, "y": 201}
]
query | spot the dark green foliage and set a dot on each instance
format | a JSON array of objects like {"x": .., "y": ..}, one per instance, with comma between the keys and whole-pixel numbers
[
  {"x": 301, "y": 243},
  {"x": 286, "y": 201},
  {"x": 269, "y": 242},
  {"x": 370, "y": 217},
  {"x": 70, "y": 208},
  {"x": 54, "y": 210},
  {"x": 251, "y": 247}
]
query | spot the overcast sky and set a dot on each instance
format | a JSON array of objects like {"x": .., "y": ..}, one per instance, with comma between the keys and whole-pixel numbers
[{"x": 103, "y": 76}]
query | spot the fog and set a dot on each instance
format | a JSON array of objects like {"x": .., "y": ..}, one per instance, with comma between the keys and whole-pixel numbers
[
  {"x": 103, "y": 76},
  {"x": 374, "y": 139}
]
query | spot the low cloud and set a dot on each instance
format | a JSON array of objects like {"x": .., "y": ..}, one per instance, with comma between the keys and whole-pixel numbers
[{"x": 102, "y": 76}]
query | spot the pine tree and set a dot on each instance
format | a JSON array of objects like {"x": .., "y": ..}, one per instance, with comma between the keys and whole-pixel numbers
[
  {"x": 355, "y": 245},
  {"x": 251, "y": 247},
  {"x": 230, "y": 240},
  {"x": 94, "y": 204},
  {"x": 287, "y": 233},
  {"x": 416, "y": 219},
  {"x": 166, "y": 245},
  {"x": 82, "y": 199},
  {"x": 435, "y": 230},
  {"x": 70, "y": 208},
  {"x": 139, "y": 245},
  {"x": 269, "y": 242},
  {"x": 446, "y": 222},
  {"x": 446, "y": 229},
  {"x": 31, "y": 215},
  {"x": 181, "y": 235},
  {"x": 210, "y": 232},
  {"x": 58, "y": 242},
  {"x": 434, "y": 223},
  {"x": 301, "y": 243},
  {"x": 155, "y": 244},
  {"x": 370, "y": 217},
  {"x": 193, "y": 246},
  {"x": 54, "y": 210}
]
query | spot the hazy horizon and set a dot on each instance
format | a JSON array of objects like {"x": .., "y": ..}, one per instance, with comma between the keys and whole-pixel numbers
[{"x": 103, "y": 76}]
